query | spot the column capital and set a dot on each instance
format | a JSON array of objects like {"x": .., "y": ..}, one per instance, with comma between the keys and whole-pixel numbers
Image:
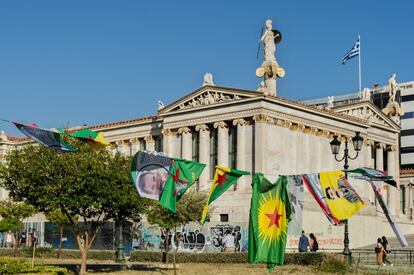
[
  {"x": 261, "y": 118},
  {"x": 220, "y": 124},
  {"x": 184, "y": 130},
  {"x": 391, "y": 148},
  {"x": 134, "y": 140},
  {"x": 239, "y": 121},
  {"x": 380, "y": 146},
  {"x": 168, "y": 132},
  {"x": 202, "y": 127},
  {"x": 149, "y": 139}
]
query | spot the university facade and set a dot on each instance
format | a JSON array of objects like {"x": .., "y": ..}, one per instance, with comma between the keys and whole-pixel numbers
[{"x": 251, "y": 131}]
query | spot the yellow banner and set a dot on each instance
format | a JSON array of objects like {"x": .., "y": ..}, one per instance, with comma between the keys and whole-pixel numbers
[{"x": 343, "y": 201}]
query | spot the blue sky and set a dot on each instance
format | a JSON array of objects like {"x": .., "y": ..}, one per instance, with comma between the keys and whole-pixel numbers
[{"x": 67, "y": 63}]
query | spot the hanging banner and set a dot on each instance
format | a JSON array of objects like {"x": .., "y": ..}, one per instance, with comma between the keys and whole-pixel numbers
[
  {"x": 296, "y": 198},
  {"x": 376, "y": 186},
  {"x": 149, "y": 173}
]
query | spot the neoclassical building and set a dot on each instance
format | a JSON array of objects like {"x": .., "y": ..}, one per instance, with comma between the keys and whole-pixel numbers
[
  {"x": 258, "y": 131},
  {"x": 251, "y": 131}
]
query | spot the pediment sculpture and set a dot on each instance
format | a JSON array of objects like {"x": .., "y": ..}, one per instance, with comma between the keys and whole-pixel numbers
[{"x": 208, "y": 98}]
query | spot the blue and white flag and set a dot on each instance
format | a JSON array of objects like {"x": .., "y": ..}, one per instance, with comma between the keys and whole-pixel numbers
[{"x": 351, "y": 53}]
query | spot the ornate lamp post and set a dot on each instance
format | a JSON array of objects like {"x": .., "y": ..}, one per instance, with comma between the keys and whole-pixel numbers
[{"x": 335, "y": 146}]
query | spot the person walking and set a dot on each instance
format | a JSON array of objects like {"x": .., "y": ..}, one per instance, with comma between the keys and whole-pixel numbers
[
  {"x": 379, "y": 251},
  {"x": 303, "y": 242},
  {"x": 387, "y": 250},
  {"x": 313, "y": 243}
]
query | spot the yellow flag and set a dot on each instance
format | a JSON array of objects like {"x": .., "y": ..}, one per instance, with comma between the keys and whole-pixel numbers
[{"x": 343, "y": 200}]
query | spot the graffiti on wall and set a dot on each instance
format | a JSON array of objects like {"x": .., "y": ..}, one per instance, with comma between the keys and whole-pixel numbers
[{"x": 190, "y": 238}]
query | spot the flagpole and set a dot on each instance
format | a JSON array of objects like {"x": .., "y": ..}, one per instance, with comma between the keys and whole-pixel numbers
[{"x": 359, "y": 63}]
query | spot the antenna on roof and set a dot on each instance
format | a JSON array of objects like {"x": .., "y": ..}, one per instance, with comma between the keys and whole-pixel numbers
[{"x": 258, "y": 48}]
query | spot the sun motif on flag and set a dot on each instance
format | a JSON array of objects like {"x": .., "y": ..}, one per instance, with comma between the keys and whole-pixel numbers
[{"x": 272, "y": 218}]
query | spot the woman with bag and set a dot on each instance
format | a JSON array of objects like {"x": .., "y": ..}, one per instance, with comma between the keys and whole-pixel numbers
[
  {"x": 387, "y": 250},
  {"x": 379, "y": 251}
]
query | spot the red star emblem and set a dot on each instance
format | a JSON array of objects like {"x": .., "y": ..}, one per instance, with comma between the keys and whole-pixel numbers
[
  {"x": 221, "y": 179},
  {"x": 176, "y": 179},
  {"x": 274, "y": 218}
]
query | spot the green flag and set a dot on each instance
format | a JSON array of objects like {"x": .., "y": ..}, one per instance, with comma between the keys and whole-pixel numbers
[
  {"x": 182, "y": 176},
  {"x": 223, "y": 178},
  {"x": 269, "y": 218}
]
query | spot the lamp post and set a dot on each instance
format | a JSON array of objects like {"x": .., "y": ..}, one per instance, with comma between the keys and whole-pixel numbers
[{"x": 335, "y": 146}]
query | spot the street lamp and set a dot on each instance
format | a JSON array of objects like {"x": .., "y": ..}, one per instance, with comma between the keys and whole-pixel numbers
[{"x": 335, "y": 146}]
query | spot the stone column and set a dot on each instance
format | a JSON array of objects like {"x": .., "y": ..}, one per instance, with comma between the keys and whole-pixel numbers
[
  {"x": 134, "y": 146},
  {"x": 379, "y": 157},
  {"x": 392, "y": 192},
  {"x": 166, "y": 138},
  {"x": 241, "y": 151},
  {"x": 260, "y": 143},
  {"x": 204, "y": 154},
  {"x": 149, "y": 143},
  {"x": 222, "y": 144},
  {"x": 186, "y": 142},
  {"x": 409, "y": 192}
]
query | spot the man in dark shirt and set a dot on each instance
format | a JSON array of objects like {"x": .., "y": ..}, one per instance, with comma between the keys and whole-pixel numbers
[{"x": 303, "y": 242}]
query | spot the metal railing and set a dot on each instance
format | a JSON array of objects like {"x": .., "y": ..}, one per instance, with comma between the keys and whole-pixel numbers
[{"x": 396, "y": 257}]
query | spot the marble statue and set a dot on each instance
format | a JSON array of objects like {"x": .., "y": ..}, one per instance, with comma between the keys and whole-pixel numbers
[
  {"x": 330, "y": 103},
  {"x": 261, "y": 87},
  {"x": 268, "y": 39},
  {"x": 392, "y": 86},
  {"x": 366, "y": 94},
  {"x": 208, "y": 79},
  {"x": 160, "y": 105}
]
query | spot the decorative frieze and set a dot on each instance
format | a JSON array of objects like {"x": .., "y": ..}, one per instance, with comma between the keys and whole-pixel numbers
[{"x": 207, "y": 99}]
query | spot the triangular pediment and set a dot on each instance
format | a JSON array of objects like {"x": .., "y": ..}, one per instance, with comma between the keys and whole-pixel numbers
[
  {"x": 367, "y": 111},
  {"x": 209, "y": 96}
]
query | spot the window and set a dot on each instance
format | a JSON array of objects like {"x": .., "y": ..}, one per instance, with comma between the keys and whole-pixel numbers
[
  {"x": 213, "y": 152},
  {"x": 224, "y": 217},
  {"x": 196, "y": 147}
]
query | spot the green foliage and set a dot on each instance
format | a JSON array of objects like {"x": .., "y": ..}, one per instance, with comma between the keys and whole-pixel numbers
[
  {"x": 44, "y": 252},
  {"x": 333, "y": 265},
  {"x": 314, "y": 259},
  {"x": 92, "y": 183},
  {"x": 59, "y": 218},
  {"x": 189, "y": 209},
  {"x": 12, "y": 266},
  {"x": 13, "y": 213}
]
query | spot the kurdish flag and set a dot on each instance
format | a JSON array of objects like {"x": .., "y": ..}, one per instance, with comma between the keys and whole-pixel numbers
[
  {"x": 92, "y": 137},
  {"x": 45, "y": 137},
  {"x": 223, "y": 178},
  {"x": 182, "y": 176},
  {"x": 269, "y": 217}
]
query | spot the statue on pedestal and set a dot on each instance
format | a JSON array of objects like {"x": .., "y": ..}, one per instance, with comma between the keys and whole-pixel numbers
[
  {"x": 270, "y": 69},
  {"x": 393, "y": 109},
  {"x": 208, "y": 79}
]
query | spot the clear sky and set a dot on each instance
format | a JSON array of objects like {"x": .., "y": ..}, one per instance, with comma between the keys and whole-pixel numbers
[{"x": 67, "y": 63}]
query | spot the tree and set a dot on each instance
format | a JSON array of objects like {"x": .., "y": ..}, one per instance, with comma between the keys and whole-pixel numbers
[
  {"x": 60, "y": 219},
  {"x": 92, "y": 184},
  {"x": 13, "y": 214},
  {"x": 189, "y": 209}
]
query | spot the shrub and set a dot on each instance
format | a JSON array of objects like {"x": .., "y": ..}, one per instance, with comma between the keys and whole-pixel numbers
[
  {"x": 332, "y": 264},
  {"x": 313, "y": 259},
  {"x": 41, "y": 252},
  {"x": 46, "y": 252},
  {"x": 13, "y": 266}
]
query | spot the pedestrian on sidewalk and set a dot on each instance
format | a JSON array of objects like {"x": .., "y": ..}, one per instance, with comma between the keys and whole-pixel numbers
[
  {"x": 379, "y": 251},
  {"x": 387, "y": 250},
  {"x": 303, "y": 242},
  {"x": 313, "y": 243}
]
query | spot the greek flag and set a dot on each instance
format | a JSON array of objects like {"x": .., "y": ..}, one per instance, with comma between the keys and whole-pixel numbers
[{"x": 351, "y": 53}]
